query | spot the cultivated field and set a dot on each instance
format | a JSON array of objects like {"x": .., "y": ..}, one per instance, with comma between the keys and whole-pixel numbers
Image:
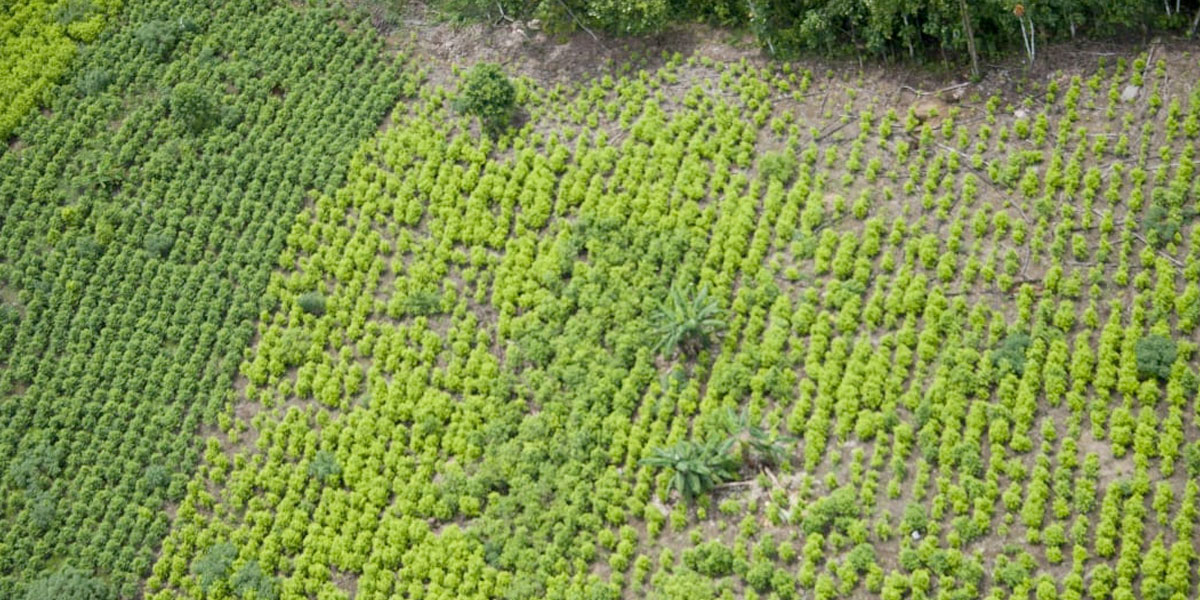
[{"x": 694, "y": 327}]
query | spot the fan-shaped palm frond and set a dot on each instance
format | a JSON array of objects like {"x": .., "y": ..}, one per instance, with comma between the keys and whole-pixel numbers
[
  {"x": 756, "y": 445},
  {"x": 686, "y": 322},
  {"x": 698, "y": 467}
]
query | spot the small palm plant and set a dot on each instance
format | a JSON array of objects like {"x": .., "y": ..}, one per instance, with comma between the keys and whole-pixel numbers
[
  {"x": 698, "y": 467},
  {"x": 756, "y": 446},
  {"x": 686, "y": 322}
]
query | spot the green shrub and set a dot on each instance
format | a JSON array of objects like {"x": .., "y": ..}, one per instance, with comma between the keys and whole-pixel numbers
[
  {"x": 915, "y": 519},
  {"x": 72, "y": 11},
  {"x": 629, "y": 17},
  {"x": 836, "y": 509},
  {"x": 861, "y": 558},
  {"x": 158, "y": 38},
  {"x": 324, "y": 466},
  {"x": 1011, "y": 352},
  {"x": 214, "y": 565},
  {"x": 1160, "y": 228},
  {"x": 1155, "y": 355},
  {"x": 712, "y": 558},
  {"x": 312, "y": 303},
  {"x": 251, "y": 579},
  {"x": 422, "y": 303},
  {"x": 93, "y": 81},
  {"x": 70, "y": 584},
  {"x": 1191, "y": 458},
  {"x": 759, "y": 575},
  {"x": 159, "y": 244},
  {"x": 777, "y": 166},
  {"x": 488, "y": 94},
  {"x": 193, "y": 106},
  {"x": 783, "y": 583}
]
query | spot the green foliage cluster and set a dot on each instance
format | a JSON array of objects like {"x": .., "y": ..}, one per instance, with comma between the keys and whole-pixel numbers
[
  {"x": 777, "y": 166},
  {"x": 135, "y": 255},
  {"x": 312, "y": 303},
  {"x": 697, "y": 468},
  {"x": 193, "y": 106},
  {"x": 686, "y": 321},
  {"x": 487, "y": 93},
  {"x": 481, "y": 400},
  {"x": 1155, "y": 355},
  {"x": 917, "y": 334},
  {"x": 38, "y": 43},
  {"x": 69, "y": 584},
  {"x": 900, "y": 28},
  {"x": 1011, "y": 352}
]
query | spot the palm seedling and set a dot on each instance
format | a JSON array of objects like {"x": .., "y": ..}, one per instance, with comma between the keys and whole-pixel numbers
[
  {"x": 698, "y": 467},
  {"x": 756, "y": 446},
  {"x": 686, "y": 322}
]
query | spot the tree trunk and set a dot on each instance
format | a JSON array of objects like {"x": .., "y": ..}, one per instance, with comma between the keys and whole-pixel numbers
[
  {"x": 1032, "y": 43},
  {"x": 970, "y": 33},
  {"x": 1025, "y": 39}
]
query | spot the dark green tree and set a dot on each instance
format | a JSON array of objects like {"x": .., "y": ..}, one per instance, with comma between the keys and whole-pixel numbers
[
  {"x": 423, "y": 303},
  {"x": 488, "y": 94},
  {"x": 1155, "y": 355},
  {"x": 70, "y": 584},
  {"x": 312, "y": 303},
  {"x": 1011, "y": 352},
  {"x": 250, "y": 578},
  {"x": 324, "y": 466},
  {"x": 214, "y": 565},
  {"x": 193, "y": 106},
  {"x": 778, "y": 166}
]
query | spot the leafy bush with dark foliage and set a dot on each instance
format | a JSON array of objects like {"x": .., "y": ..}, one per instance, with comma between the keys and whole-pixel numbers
[
  {"x": 312, "y": 303},
  {"x": 1155, "y": 355},
  {"x": 193, "y": 106},
  {"x": 487, "y": 94},
  {"x": 1011, "y": 352},
  {"x": 70, "y": 584}
]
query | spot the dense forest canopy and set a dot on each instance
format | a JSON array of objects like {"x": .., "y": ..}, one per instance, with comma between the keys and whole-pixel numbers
[{"x": 886, "y": 28}]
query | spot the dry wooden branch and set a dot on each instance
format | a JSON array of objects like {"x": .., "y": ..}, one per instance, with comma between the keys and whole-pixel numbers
[
  {"x": 935, "y": 92},
  {"x": 772, "y": 476},
  {"x": 831, "y": 131},
  {"x": 580, "y": 23},
  {"x": 734, "y": 484}
]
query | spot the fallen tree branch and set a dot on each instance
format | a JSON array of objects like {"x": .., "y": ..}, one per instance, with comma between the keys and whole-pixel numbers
[
  {"x": 832, "y": 131},
  {"x": 935, "y": 92},
  {"x": 772, "y": 476},
  {"x": 580, "y": 23},
  {"x": 734, "y": 484}
]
